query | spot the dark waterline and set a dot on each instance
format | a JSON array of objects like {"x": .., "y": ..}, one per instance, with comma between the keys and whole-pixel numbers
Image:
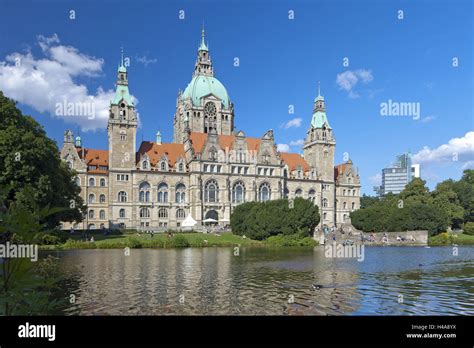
[{"x": 212, "y": 281}]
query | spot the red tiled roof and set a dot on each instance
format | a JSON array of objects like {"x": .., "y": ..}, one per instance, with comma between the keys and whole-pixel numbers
[
  {"x": 225, "y": 141},
  {"x": 156, "y": 151},
  {"x": 92, "y": 157},
  {"x": 293, "y": 160},
  {"x": 340, "y": 169}
]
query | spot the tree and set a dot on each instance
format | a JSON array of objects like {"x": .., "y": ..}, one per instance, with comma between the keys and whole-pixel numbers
[
  {"x": 464, "y": 189},
  {"x": 445, "y": 197},
  {"x": 260, "y": 220},
  {"x": 30, "y": 168},
  {"x": 367, "y": 201}
]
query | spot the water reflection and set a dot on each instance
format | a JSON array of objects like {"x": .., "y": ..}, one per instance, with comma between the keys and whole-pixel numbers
[{"x": 212, "y": 281}]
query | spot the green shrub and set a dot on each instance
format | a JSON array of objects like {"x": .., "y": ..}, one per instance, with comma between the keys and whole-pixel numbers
[
  {"x": 78, "y": 244},
  {"x": 179, "y": 241},
  {"x": 260, "y": 220},
  {"x": 133, "y": 243},
  {"x": 469, "y": 228},
  {"x": 296, "y": 239}
]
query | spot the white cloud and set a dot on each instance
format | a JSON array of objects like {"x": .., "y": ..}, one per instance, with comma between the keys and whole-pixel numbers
[
  {"x": 456, "y": 150},
  {"x": 376, "y": 180},
  {"x": 43, "y": 83},
  {"x": 294, "y": 123},
  {"x": 427, "y": 119},
  {"x": 299, "y": 142},
  {"x": 468, "y": 165},
  {"x": 283, "y": 147},
  {"x": 145, "y": 60},
  {"x": 348, "y": 80}
]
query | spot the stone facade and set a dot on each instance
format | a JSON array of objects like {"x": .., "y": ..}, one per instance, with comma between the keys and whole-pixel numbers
[{"x": 210, "y": 167}]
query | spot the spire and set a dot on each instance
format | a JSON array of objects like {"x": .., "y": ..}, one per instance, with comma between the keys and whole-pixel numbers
[
  {"x": 319, "y": 97},
  {"x": 319, "y": 111},
  {"x": 203, "y": 46},
  {"x": 203, "y": 64},
  {"x": 158, "y": 137},
  {"x": 121, "y": 90},
  {"x": 121, "y": 68}
]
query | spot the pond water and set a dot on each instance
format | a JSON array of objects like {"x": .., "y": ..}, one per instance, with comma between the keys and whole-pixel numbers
[{"x": 261, "y": 281}]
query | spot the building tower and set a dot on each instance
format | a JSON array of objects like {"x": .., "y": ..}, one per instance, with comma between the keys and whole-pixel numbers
[
  {"x": 204, "y": 105},
  {"x": 319, "y": 148},
  {"x": 320, "y": 143},
  {"x": 122, "y": 125}
]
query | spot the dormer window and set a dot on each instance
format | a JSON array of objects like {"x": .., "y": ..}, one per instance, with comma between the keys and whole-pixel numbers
[
  {"x": 163, "y": 166},
  {"x": 145, "y": 165}
]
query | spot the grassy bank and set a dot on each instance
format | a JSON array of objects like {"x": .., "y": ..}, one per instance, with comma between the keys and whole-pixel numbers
[
  {"x": 179, "y": 240},
  {"x": 451, "y": 238}
]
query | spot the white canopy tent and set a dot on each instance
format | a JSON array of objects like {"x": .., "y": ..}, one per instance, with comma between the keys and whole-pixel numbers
[{"x": 189, "y": 222}]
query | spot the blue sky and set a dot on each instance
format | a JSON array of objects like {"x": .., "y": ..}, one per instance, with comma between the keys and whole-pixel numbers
[{"x": 281, "y": 61}]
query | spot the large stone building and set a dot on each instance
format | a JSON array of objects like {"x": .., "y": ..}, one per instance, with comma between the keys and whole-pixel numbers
[{"x": 210, "y": 167}]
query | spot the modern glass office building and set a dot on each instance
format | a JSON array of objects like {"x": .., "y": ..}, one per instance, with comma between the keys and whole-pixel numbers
[{"x": 396, "y": 177}]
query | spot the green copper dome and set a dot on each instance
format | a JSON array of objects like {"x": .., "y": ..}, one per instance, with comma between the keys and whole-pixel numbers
[
  {"x": 201, "y": 86},
  {"x": 319, "y": 120},
  {"x": 122, "y": 93}
]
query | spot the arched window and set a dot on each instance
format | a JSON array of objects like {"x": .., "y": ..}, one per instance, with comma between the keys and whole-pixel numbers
[
  {"x": 102, "y": 198},
  {"x": 91, "y": 214},
  {"x": 325, "y": 202},
  {"x": 180, "y": 195},
  {"x": 181, "y": 167},
  {"x": 144, "y": 213},
  {"x": 343, "y": 192},
  {"x": 163, "y": 166},
  {"x": 238, "y": 192},
  {"x": 344, "y": 205},
  {"x": 211, "y": 192},
  {"x": 180, "y": 214},
  {"x": 353, "y": 192},
  {"x": 102, "y": 215},
  {"x": 349, "y": 180},
  {"x": 312, "y": 195},
  {"x": 325, "y": 216},
  {"x": 163, "y": 213},
  {"x": 144, "y": 194},
  {"x": 353, "y": 205},
  {"x": 264, "y": 192},
  {"x": 122, "y": 196},
  {"x": 162, "y": 193},
  {"x": 298, "y": 193},
  {"x": 145, "y": 164},
  {"x": 91, "y": 198},
  {"x": 122, "y": 213},
  {"x": 344, "y": 217},
  {"x": 91, "y": 227},
  {"x": 91, "y": 182},
  {"x": 102, "y": 182}
]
